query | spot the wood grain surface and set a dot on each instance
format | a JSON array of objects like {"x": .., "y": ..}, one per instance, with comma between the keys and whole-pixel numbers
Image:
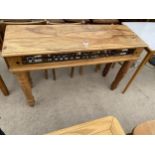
[
  {"x": 103, "y": 126},
  {"x": 44, "y": 39}
]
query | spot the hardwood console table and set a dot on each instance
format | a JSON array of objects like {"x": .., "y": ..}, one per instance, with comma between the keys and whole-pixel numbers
[{"x": 36, "y": 47}]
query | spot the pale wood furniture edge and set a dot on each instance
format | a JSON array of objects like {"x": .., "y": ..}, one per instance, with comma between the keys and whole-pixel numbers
[
  {"x": 116, "y": 127},
  {"x": 106, "y": 125}
]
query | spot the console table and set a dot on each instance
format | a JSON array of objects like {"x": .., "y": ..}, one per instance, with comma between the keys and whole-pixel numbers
[{"x": 38, "y": 47}]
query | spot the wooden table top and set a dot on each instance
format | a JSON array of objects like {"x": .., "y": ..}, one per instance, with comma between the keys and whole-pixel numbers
[
  {"x": 103, "y": 126},
  {"x": 23, "y": 40}
]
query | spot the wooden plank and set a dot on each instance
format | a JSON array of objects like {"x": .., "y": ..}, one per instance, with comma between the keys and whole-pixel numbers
[
  {"x": 44, "y": 39},
  {"x": 75, "y": 63},
  {"x": 107, "y": 125}
]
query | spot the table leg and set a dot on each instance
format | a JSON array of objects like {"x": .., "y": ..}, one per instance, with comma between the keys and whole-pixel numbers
[
  {"x": 30, "y": 79},
  {"x": 113, "y": 65},
  {"x": 144, "y": 61},
  {"x": 3, "y": 87},
  {"x": 97, "y": 67},
  {"x": 81, "y": 70},
  {"x": 54, "y": 74},
  {"x": 46, "y": 73},
  {"x": 23, "y": 80},
  {"x": 106, "y": 69},
  {"x": 123, "y": 70},
  {"x": 72, "y": 72}
]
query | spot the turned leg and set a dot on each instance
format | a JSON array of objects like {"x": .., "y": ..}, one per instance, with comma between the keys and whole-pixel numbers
[
  {"x": 106, "y": 69},
  {"x": 30, "y": 79},
  {"x": 54, "y": 74},
  {"x": 81, "y": 70},
  {"x": 3, "y": 87},
  {"x": 123, "y": 70},
  {"x": 23, "y": 80},
  {"x": 72, "y": 72},
  {"x": 46, "y": 73},
  {"x": 98, "y": 67},
  {"x": 145, "y": 60}
]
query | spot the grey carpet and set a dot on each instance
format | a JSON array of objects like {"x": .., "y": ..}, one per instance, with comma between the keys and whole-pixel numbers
[{"x": 67, "y": 101}]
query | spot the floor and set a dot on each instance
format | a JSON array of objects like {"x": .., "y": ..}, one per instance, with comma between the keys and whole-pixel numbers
[{"x": 66, "y": 102}]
